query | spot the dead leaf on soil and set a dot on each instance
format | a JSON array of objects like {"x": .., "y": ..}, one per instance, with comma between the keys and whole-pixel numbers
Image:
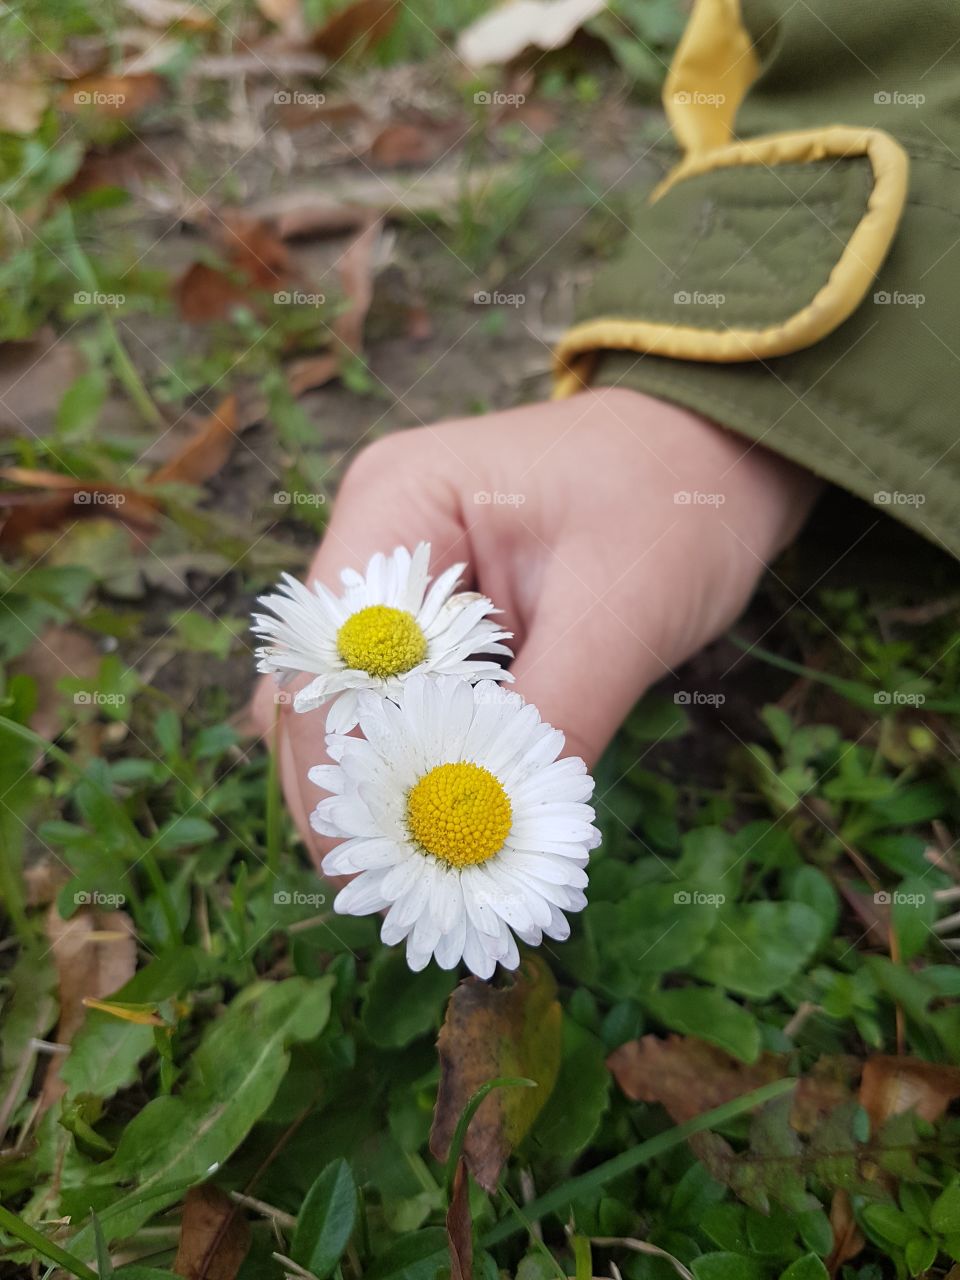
[
  {"x": 58, "y": 652},
  {"x": 460, "y": 1226},
  {"x": 356, "y": 268},
  {"x": 357, "y": 28},
  {"x": 310, "y": 372},
  {"x": 214, "y": 1236},
  {"x": 489, "y": 1032},
  {"x": 66, "y": 499},
  {"x": 120, "y": 97},
  {"x": 687, "y": 1076},
  {"x": 402, "y": 144},
  {"x": 22, "y": 104},
  {"x": 95, "y": 953},
  {"x": 506, "y": 31},
  {"x": 205, "y": 453},
  {"x": 256, "y": 260},
  {"x": 847, "y": 1239},
  {"x": 891, "y": 1085}
]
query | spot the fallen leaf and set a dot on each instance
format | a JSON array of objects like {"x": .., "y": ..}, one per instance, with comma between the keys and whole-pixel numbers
[
  {"x": 95, "y": 954},
  {"x": 685, "y": 1075},
  {"x": 214, "y": 1236},
  {"x": 172, "y": 13},
  {"x": 356, "y": 268},
  {"x": 256, "y": 260},
  {"x": 206, "y": 452},
  {"x": 356, "y": 28},
  {"x": 847, "y": 1238},
  {"x": 490, "y": 1032},
  {"x": 506, "y": 31},
  {"x": 120, "y": 96},
  {"x": 310, "y": 372},
  {"x": 891, "y": 1085},
  {"x": 67, "y": 499},
  {"x": 460, "y": 1226},
  {"x": 22, "y": 104},
  {"x": 125, "y": 167},
  {"x": 57, "y": 652},
  {"x": 33, "y": 378},
  {"x": 408, "y": 144}
]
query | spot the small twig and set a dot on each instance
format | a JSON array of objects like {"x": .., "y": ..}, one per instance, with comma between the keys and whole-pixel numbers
[
  {"x": 804, "y": 1010},
  {"x": 644, "y": 1246},
  {"x": 285, "y": 1220},
  {"x": 293, "y": 1268}
]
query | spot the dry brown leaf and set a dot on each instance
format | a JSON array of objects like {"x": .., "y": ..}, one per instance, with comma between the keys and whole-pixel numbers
[
  {"x": 357, "y": 28},
  {"x": 206, "y": 452},
  {"x": 256, "y": 260},
  {"x": 95, "y": 953},
  {"x": 126, "y": 167},
  {"x": 685, "y": 1075},
  {"x": 460, "y": 1226},
  {"x": 507, "y": 30},
  {"x": 172, "y": 13},
  {"x": 408, "y": 144},
  {"x": 214, "y": 1236},
  {"x": 58, "y": 652},
  {"x": 490, "y": 1032},
  {"x": 356, "y": 267},
  {"x": 67, "y": 499},
  {"x": 33, "y": 378},
  {"x": 891, "y": 1085},
  {"x": 847, "y": 1239},
  {"x": 22, "y": 104},
  {"x": 204, "y": 293},
  {"x": 310, "y": 372},
  {"x": 120, "y": 97}
]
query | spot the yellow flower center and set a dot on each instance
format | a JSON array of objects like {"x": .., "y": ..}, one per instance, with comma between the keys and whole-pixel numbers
[
  {"x": 460, "y": 813},
  {"x": 382, "y": 641}
]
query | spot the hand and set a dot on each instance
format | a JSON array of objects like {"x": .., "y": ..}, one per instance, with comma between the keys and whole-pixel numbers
[{"x": 569, "y": 519}]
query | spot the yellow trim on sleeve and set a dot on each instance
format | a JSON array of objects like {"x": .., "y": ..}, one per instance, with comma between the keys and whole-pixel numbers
[
  {"x": 848, "y": 282},
  {"x": 712, "y": 69}
]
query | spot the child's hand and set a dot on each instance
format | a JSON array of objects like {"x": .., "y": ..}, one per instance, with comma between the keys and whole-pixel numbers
[{"x": 618, "y": 534}]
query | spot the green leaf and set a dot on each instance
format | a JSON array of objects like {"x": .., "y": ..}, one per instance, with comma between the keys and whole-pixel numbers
[
  {"x": 709, "y": 1014},
  {"x": 326, "y": 1220},
  {"x": 82, "y": 401},
  {"x": 889, "y": 1223},
  {"x": 761, "y": 946},
  {"x": 580, "y": 1097},
  {"x": 174, "y": 1142},
  {"x": 945, "y": 1212},
  {"x": 400, "y": 1005},
  {"x": 726, "y": 1266},
  {"x": 912, "y": 913},
  {"x": 418, "y": 1256},
  {"x": 921, "y": 1254},
  {"x": 809, "y": 1267}
]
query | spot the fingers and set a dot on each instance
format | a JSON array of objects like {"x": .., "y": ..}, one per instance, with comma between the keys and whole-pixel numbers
[{"x": 586, "y": 657}]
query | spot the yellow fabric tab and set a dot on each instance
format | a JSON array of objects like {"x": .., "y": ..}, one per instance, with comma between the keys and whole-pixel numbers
[
  {"x": 849, "y": 280},
  {"x": 712, "y": 69}
]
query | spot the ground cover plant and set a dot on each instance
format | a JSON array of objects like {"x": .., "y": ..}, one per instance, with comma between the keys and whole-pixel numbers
[{"x": 239, "y": 242}]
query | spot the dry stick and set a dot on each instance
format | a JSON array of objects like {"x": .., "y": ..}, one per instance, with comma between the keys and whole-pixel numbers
[{"x": 285, "y": 1220}]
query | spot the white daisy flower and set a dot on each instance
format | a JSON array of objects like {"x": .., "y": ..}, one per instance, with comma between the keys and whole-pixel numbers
[
  {"x": 385, "y": 628},
  {"x": 458, "y": 821}
]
